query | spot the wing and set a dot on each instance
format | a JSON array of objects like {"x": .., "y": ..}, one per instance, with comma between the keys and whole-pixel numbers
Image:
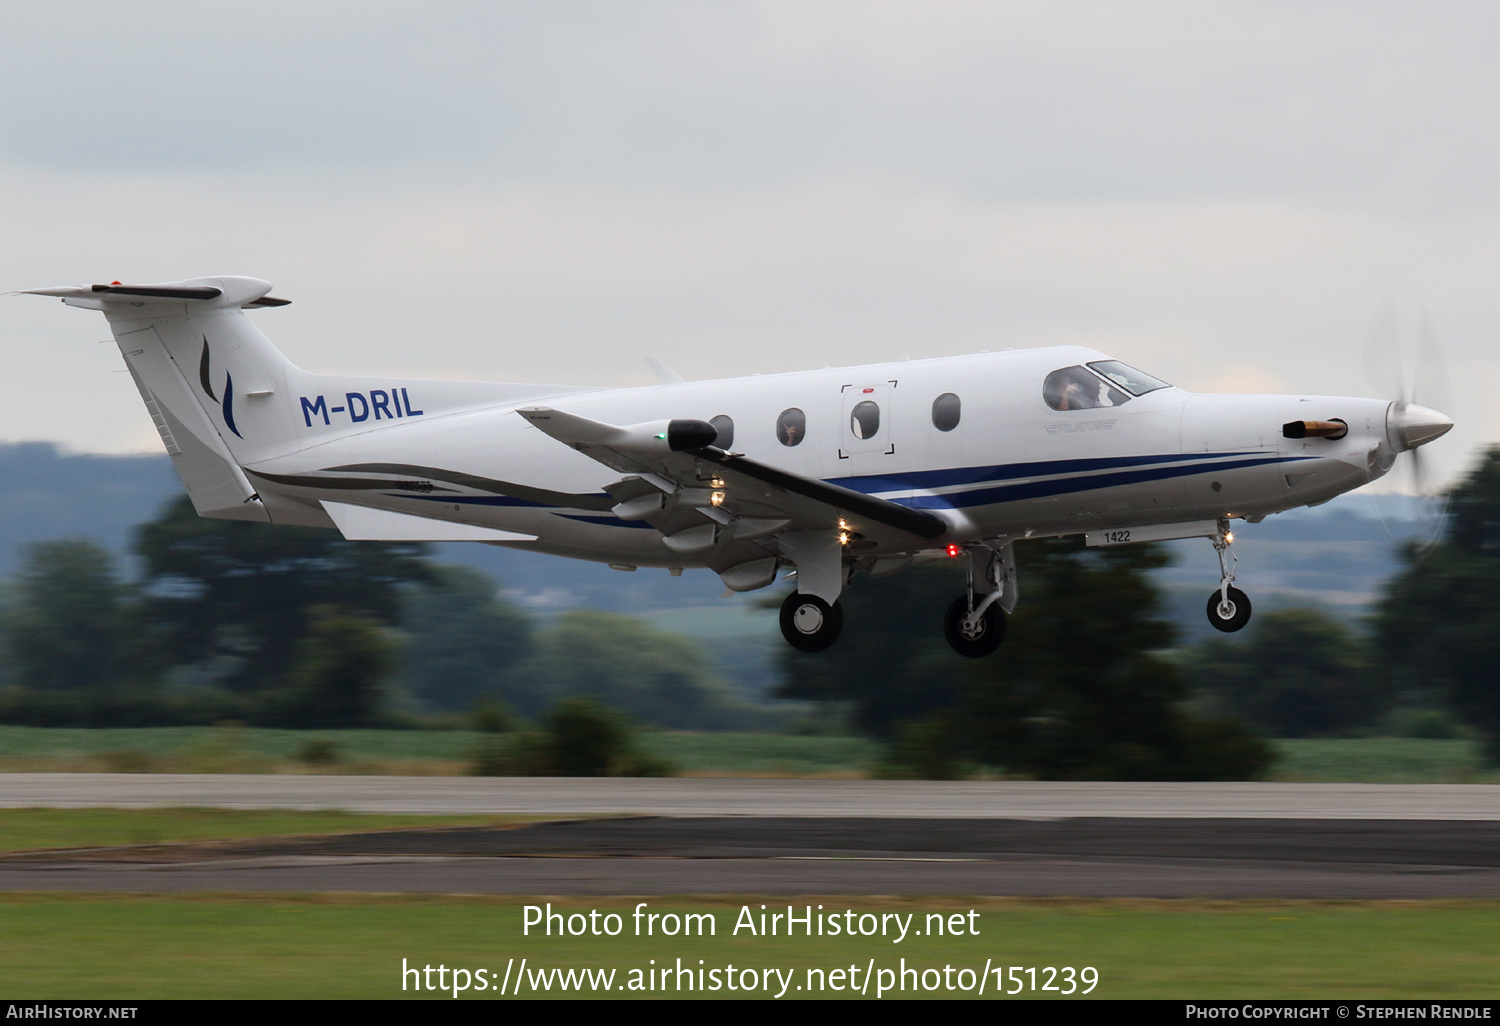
[{"x": 700, "y": 496}]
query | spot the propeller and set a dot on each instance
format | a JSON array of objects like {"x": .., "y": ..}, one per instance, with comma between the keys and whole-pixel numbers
[{"x": 1410, "y": 423}]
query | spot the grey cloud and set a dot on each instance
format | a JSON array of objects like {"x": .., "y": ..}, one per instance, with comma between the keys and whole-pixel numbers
[{"x": 1353, "y": 103}]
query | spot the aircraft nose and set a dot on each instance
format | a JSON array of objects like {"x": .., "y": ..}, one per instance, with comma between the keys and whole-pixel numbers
[{"x": 1410, "y": 425}]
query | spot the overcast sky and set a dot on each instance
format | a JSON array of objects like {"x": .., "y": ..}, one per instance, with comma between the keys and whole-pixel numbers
[{"x": 1221, "y": 193}]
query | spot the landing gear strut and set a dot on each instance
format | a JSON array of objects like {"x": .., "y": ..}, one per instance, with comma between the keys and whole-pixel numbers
[
  {"x": 1228, "y": 607},
  {"x": 975, "y": 630},
  {"x": 808, "y": 623}
]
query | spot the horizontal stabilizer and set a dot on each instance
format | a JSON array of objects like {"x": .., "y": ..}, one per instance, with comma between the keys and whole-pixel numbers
[
  {"x": 230, "y": 290},
  {"x": 361, "y": 523}
]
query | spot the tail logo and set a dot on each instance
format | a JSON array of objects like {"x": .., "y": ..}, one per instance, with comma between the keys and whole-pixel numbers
[{"x": 227, "y": 403}]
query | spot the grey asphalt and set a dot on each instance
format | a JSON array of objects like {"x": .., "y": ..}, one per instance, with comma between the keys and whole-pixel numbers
[
  {"x": 1198, "y": 857},
  {"x": 824, "y": 799}
]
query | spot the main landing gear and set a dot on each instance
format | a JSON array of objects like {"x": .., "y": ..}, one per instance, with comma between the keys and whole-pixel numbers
[
  {"x": 809, "y": 624},
  {"x": 975, "y": 629},
  {"x": 1228, "y": 607}
]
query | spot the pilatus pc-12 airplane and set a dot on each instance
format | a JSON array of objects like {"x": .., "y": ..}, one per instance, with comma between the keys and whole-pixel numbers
[{"x": 827, "y": 471}]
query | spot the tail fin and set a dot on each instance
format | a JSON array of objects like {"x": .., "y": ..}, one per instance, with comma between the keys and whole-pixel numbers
[
  {"x": 211, "y": 381},
  {"x": 223, "y": 397}
]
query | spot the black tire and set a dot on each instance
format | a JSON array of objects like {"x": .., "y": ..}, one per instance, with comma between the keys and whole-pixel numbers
[
  {"x": 985, "y": 637},
  {"x": 1238, "y": 610},
  {"x": 809, "y": 624}
]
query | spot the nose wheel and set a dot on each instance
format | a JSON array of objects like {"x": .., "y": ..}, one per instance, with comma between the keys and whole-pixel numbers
[
  {"x": 973, "y": 634},
  {"x": 1228, "y": 607},
  {"x": 809, "y": 624},
  {"x": 1229, "y": 610}
]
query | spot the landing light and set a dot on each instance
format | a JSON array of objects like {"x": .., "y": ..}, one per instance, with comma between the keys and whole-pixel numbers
[
  {"x": 717, "y": 498},
  {"x": 1229, "y": 537},
  {"x": 843, "y": 537}
]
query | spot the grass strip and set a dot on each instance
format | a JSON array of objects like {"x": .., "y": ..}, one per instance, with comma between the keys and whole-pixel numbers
[{"x": 352, "y": 946}]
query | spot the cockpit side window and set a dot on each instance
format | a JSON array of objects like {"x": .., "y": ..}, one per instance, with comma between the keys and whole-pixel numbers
[{"x": 1077, "y": 388}]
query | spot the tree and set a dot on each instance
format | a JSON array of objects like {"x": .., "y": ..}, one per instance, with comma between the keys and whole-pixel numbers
[
  {"x": 1438, "y": 623},
  {"x": 338, "y": 675},
  {"x": 891, "y": 664},
  {"x": 66, "y": 628},
  {"x": 462, "y": 642},
  {"x": 1299, "y": 673},
  {"x": 1080, "y": 689},
  {"x": 625, "y": 664},
  {"x": 228, "y": 588}
]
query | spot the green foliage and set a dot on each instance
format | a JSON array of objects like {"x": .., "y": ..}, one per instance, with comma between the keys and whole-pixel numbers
[
  {"x": 462, "y": 642},
  {"x": 623, "y": 663},
  {"x": 228, "y": 588},
  {"x": 1297, "y": 673},
  {"x": 924, "y": 750},
  {"x": 338, "y": 674},
  {"x": 579, "y": 739},
  {"x": 65, "y": 630},
  {"x": 891, "y": 663},
  {"x": 1081, "y": 691},
  {"x": 1078, "y": 691},
  {"x": 1438, "y": 624}
]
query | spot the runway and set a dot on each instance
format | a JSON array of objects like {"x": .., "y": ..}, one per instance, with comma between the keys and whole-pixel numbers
[
  {"x": 824, "y": 799},
  {"x": 1159, "y": 858},
  {"x": 1028, "y": 840}
]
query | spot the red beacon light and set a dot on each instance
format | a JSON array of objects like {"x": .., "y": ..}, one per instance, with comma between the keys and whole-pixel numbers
[{"x": 954, "y": 551}]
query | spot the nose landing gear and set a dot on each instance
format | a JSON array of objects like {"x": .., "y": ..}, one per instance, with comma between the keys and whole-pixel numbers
[
  {"x": 975, "y": 630},
  {"x": 1228, "y": 607}
]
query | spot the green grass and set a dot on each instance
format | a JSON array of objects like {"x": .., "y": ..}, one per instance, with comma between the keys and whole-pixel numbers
[
  {"x": 32, "y": 829},
  {"x": 250, "y": 749},
  {"x": 1393, "y": 760},
  {"x": 734, "y": 754},
  {"x": 133, "y": 947},
  {"x": 253, "y": 749},
  {"x": 61, "y": 742}
]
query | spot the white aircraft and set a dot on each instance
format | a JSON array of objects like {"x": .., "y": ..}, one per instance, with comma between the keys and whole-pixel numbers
[{"x": 829, "y": 471}]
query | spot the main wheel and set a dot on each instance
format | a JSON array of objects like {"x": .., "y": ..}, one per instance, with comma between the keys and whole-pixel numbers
[
  {"x": 978, "y": 639},
  {"x": 1229, "y": 616},
  {"x": 809, "y": 624}
]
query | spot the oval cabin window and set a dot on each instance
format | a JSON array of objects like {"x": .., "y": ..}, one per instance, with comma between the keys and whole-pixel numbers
[
  {"x": 725, "y": 428},
  {"x": 865, "y": 420},
  {"x": 946, "y": 410},
  {"x": 791, "y": 426}
]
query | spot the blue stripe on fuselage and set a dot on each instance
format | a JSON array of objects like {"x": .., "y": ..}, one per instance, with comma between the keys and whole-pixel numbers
[
  {"x": 974, "y": 475},
  {"x": 1069, "y": 485}
]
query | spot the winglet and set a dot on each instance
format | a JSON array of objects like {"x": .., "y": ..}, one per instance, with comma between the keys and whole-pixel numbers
[{"x": 666, "y": 375}]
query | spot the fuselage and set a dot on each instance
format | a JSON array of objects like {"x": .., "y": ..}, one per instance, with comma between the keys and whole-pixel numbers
[{"x": 978, "y": 440}]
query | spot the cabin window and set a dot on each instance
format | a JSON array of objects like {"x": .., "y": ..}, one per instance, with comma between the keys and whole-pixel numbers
[
  {"x": 725, "y": 428},
  {"x": 1131, "y": 380},
  {"x": 945, "y": 412},
  {"x": 1077, "y": 388},
  {"x": 791, "y": 426},
  {"x": 864, "y": 421}
]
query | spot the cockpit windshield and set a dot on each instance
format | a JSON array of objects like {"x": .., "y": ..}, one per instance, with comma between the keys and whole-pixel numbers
[{"x": 1131, "y": 380}]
